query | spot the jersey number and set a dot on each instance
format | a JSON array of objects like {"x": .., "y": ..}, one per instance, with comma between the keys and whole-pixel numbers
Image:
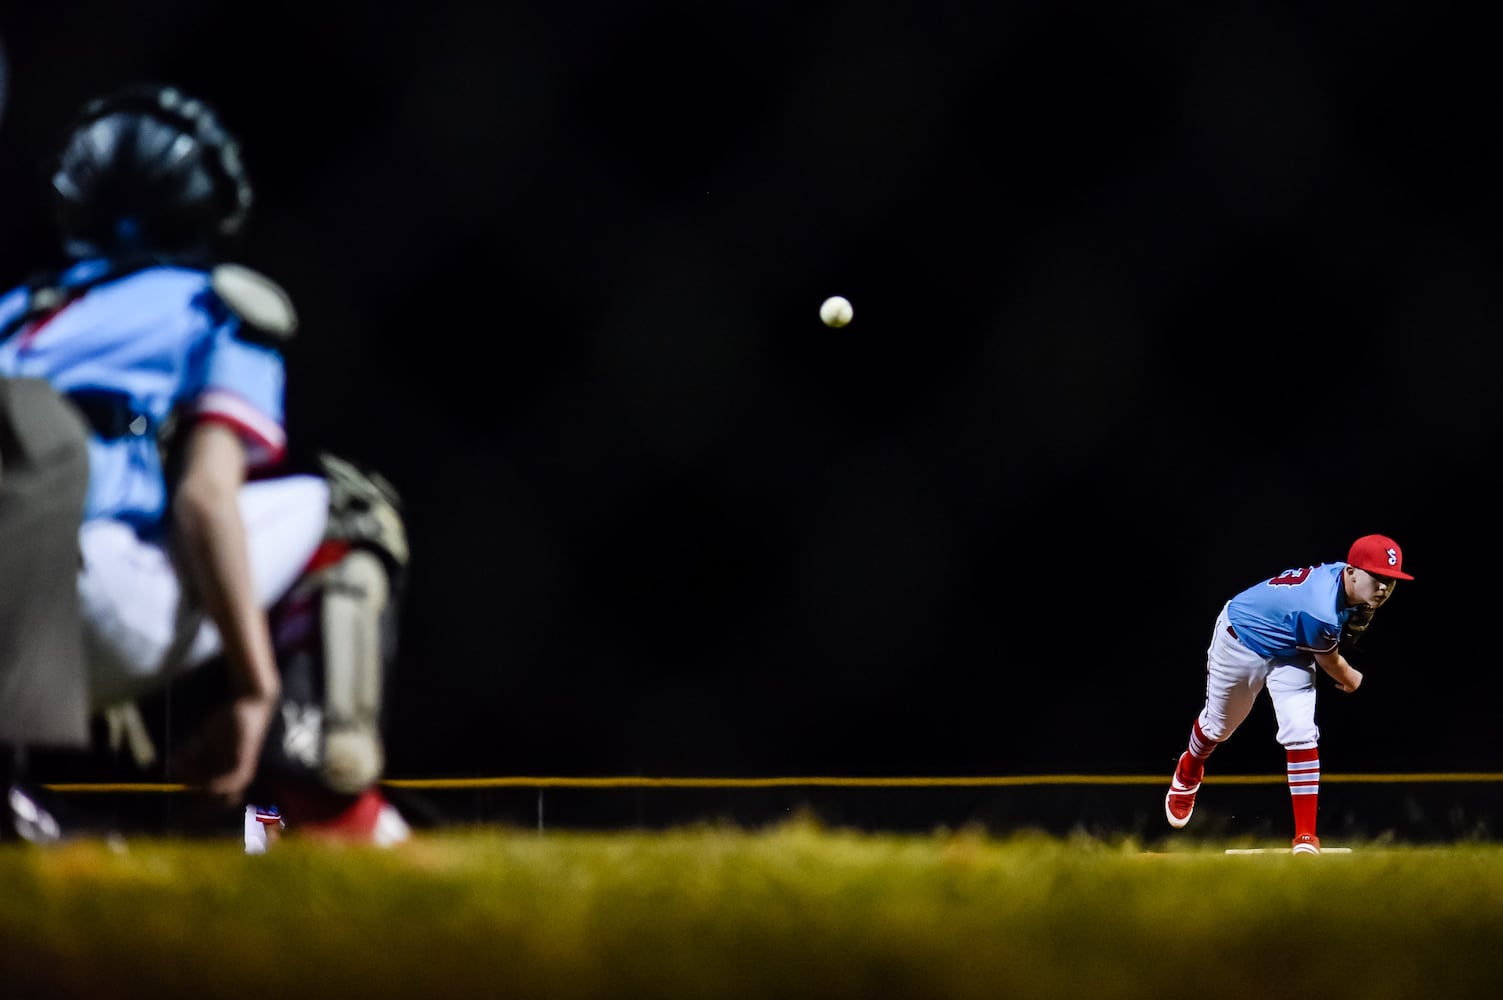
[{"x": 1291, "y": 577}]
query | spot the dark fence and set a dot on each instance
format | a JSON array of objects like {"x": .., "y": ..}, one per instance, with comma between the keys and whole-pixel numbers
[{"x": 1404, "y": 808}]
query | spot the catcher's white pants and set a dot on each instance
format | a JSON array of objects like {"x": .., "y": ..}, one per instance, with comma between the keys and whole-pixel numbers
[
  {"x": 141, "y": 629},
  {"x": 1235, "y": 675}
]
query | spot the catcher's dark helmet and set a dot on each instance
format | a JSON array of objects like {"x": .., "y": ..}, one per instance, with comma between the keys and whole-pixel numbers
[{"x": 148, "y": 169}]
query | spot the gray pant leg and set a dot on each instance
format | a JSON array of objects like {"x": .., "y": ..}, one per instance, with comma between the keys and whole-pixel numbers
[{"x": 44, "y": 476}]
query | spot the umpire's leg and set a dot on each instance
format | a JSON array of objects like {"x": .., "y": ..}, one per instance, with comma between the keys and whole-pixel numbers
[{"x": 44, "y": 474}]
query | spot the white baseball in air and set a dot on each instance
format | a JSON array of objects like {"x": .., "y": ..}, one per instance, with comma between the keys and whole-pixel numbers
[{"x": 836, "y": 311}]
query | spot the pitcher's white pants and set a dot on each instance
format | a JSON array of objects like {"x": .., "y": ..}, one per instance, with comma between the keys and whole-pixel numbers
[
  {"x": 141, "y": 629},
  {"x": 1234, "y": 677}
]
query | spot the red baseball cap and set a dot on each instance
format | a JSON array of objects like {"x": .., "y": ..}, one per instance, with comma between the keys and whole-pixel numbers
[{"x": 1379, "y": 555}]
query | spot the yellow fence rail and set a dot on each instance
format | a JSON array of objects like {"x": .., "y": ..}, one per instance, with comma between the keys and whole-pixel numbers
[{"x": 967, "y": 781}]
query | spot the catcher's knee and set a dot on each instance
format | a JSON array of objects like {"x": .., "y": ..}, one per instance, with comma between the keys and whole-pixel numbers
[{"x": 365, "y": 511}]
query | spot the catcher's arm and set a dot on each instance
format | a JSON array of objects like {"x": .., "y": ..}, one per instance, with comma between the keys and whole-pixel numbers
[{"x": 225, "y": 750}]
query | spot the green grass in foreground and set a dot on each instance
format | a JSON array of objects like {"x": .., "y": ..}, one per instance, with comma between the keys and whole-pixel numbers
[{"x": 793, "y": 911}]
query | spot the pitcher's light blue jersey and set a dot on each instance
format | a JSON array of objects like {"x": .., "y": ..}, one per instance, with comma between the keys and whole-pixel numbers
[
  {"x": 1300, "y": 611},
  {"x": 153, "y": 344}
]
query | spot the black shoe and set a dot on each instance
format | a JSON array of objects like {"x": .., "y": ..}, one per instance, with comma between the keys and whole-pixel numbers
[{"x": 25, "y": 818}]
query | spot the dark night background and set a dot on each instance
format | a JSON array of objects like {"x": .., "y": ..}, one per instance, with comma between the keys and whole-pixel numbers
[{"x": 1150, "y": 304}]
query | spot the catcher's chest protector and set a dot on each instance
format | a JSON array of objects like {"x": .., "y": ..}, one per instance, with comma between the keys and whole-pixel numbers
[{"x": 44, "y": 477}]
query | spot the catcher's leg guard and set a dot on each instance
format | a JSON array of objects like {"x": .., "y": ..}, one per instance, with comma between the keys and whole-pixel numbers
[
  {"x": 336, "y": 639},
  {"x": 334, "y": 662}
]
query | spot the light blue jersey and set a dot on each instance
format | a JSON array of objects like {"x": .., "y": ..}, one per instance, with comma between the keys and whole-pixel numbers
[
  {"x": 135, "y": 353},
  {"x": 1300, "y": 611}
]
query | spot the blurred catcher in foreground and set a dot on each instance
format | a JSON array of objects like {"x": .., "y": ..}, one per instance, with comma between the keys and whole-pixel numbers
[{"x": 157, "y": 367}]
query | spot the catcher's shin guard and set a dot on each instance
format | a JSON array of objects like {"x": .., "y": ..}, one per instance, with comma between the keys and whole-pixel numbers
[
  {"x": 333, "y": 649},
  {"x": 336, "y": 640}
]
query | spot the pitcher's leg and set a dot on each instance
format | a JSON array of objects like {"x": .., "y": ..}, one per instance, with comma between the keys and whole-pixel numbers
[
  {"x": 1234, "y": 677},
  {"x": 1292, "y": 688}
]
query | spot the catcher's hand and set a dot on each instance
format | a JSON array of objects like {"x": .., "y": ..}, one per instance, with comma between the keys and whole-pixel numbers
[
  {"x": 223, "y": 753},
  {"x": 1356, "y": 625}
]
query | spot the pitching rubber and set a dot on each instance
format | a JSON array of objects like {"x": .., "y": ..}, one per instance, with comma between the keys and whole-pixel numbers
[{"x": 1283, "y": 850}]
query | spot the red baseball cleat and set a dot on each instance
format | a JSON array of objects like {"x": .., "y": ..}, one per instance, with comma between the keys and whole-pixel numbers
[
  {"x": 365, "y": 818},
  {"x": 1180, "y": 802}
]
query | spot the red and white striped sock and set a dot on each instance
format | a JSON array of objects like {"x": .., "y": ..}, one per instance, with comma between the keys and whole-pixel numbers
[
  {"x": 1193, "y": 768},
  {"x": 1304, "y": 788}
]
